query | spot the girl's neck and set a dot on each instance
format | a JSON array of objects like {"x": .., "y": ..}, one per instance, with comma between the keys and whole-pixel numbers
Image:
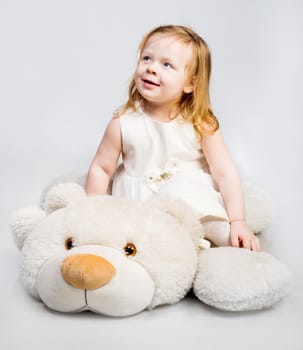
[{"x": 161, "y": 112}]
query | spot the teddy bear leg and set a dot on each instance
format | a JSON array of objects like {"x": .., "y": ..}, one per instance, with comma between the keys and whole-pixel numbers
[
  {"x": 217, "y": 231},
  {"x": 238, "y": 279}
]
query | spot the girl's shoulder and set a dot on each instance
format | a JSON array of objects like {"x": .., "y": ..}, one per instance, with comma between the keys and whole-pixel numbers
[
  {"x": 123, "y": 112},
  {"x": 126, "y": 115},
  {"x": 127, "y": 119}
]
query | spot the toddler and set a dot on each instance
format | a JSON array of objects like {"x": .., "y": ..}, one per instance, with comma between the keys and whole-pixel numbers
[{"x": 170, "y": 140}]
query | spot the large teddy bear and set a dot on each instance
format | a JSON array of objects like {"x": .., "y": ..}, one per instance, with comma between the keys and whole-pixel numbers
[{"x": 118, "y": 257}]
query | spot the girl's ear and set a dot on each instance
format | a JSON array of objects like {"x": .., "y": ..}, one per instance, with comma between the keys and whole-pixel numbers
[
  {"x": 190, "y": 85},
  {"x": 188, "y": 89}
]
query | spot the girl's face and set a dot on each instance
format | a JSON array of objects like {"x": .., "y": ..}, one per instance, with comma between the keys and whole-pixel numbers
[{"x": 161, "y": 75}]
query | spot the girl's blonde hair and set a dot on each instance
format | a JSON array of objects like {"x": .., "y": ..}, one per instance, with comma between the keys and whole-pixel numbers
[{"x": 194, "y": 106}]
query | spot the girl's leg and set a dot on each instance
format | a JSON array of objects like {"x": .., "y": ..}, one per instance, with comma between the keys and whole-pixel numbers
[{"x": 217, "y": 231}]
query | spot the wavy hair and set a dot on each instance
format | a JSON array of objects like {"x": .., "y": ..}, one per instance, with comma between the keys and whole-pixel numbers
[{"x": 194, "y": 106}]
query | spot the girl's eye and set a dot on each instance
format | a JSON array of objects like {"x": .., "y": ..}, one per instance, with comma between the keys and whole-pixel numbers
[
  {"x": 130, "y": 249},
  {"x": 146, "y": 58},
  {"x": 167, "y": 65}
]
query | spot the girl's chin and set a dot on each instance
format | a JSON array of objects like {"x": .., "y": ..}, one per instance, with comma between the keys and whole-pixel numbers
[{"x": 148, "y": 97}]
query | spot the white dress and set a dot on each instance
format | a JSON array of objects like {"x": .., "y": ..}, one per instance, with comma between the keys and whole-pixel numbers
[{"x": 165, "y": 157}]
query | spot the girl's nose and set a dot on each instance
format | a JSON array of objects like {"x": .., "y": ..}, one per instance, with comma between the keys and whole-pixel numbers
[{"x": 151, "y": 68}]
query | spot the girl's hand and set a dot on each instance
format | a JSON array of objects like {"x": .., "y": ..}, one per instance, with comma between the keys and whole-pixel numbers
[{"x": 242, "y": 237}]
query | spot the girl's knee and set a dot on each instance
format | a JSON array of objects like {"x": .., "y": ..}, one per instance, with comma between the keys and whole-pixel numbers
[{"x": 217, "y": 231}]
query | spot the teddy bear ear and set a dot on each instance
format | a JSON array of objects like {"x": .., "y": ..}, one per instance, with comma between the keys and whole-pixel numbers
[
  {"x": 68, "y": 177},
  {"x": 179, "y": 209},
  {"x": 23, "y": 221},
  {"x": 62, "y": 195}
]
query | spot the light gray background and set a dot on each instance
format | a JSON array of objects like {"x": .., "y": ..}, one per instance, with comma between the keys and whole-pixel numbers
[{"x": 65, "y": 67}]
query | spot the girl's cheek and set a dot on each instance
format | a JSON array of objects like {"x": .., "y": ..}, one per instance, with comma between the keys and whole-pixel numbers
[{"x": 138, "y": 70}]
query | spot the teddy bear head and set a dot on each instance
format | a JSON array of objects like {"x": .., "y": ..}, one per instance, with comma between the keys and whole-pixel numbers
[{"x": 109, "y": 255}]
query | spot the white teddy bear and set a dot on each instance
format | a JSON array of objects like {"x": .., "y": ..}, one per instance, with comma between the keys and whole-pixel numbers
[{"x": 118, "y": 257}]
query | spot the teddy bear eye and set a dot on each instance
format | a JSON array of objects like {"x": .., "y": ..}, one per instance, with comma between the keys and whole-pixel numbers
[
  {"x": 130, "y": 249},
  {"x": 69, "y": 244}
]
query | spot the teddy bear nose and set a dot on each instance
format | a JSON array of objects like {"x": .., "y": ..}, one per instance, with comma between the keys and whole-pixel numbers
[{"x": 87, "y": 271}]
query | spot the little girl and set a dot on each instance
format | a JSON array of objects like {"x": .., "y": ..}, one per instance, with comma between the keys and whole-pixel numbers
[{"x": 170, "y": 141}]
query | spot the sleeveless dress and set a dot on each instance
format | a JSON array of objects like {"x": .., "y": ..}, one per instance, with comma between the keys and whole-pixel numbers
[{"x": 165, "y": 157}]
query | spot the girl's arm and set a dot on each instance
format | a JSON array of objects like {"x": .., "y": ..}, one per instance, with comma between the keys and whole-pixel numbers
[
  {"x": 224, "y": 173},
  {"x": 105, "y": 161}
]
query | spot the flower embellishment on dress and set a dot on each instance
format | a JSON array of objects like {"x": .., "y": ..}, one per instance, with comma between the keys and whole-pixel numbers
[{"x": 157, "y": 177}]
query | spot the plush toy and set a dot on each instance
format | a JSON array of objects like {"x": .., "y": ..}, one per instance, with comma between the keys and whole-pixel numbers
[{"x": 118, "y": 257}]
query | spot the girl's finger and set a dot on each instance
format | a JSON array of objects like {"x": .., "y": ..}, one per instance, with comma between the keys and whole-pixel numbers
[
  {"x": 246, "y": 243},
  {"x": 234, "y": 241},
  {"x": 254, "y": 245}
]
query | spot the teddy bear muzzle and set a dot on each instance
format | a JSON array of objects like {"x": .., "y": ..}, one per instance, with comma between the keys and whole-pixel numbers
[{"x": 87, "y": 271}]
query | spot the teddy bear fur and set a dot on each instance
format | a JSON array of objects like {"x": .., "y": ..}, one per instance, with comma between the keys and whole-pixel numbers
[
  {"x": 166, "y": 263},
  {"x": 168, "y": 258}
]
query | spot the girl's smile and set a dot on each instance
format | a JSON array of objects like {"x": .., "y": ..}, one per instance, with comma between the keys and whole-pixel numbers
[{"x": 149, "y": 83}]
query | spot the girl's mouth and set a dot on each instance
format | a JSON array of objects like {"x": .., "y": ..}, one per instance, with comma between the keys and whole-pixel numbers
[{"x": 149, "y": 82}]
